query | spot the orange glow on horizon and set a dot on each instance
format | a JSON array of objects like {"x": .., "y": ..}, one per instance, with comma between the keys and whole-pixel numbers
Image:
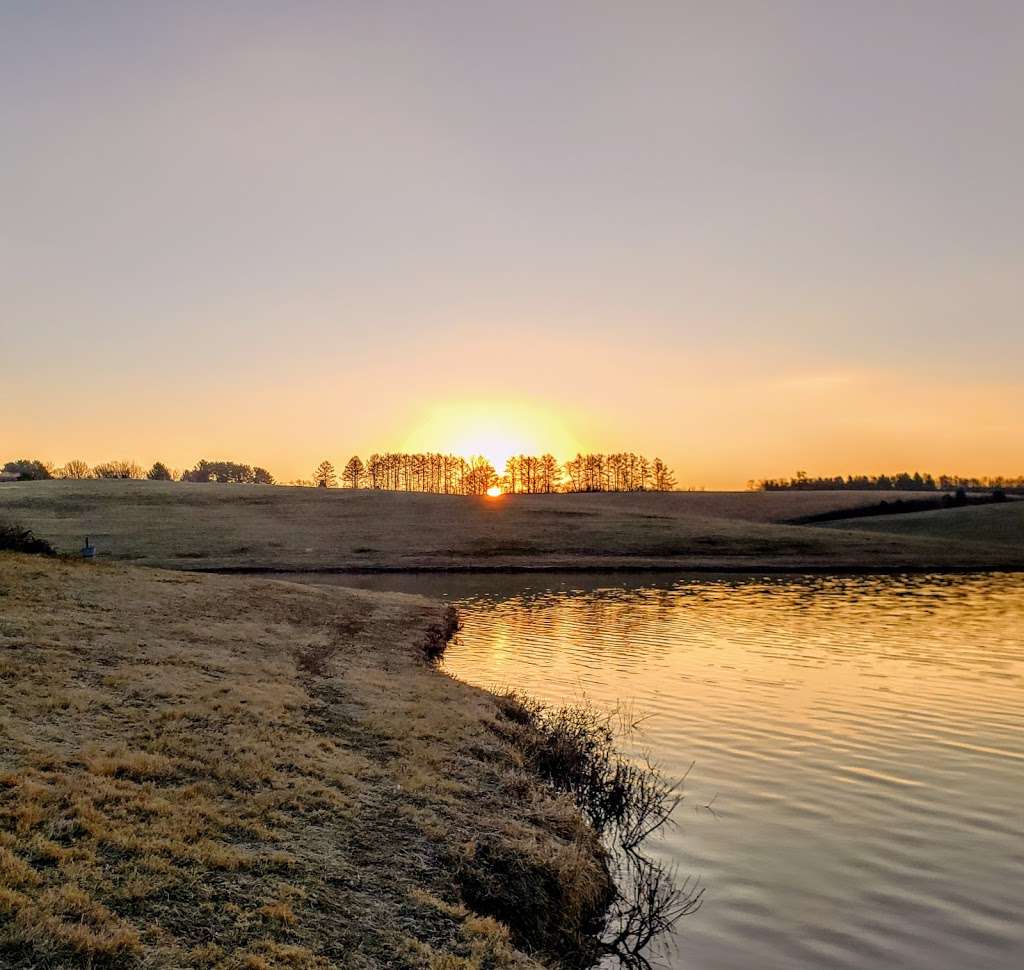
[
  {"x": 496, "y": 430},
  {"x": 494, "y": 492}
]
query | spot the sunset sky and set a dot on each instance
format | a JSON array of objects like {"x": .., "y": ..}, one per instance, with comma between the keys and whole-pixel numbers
[{"x": 746, "y": 237}]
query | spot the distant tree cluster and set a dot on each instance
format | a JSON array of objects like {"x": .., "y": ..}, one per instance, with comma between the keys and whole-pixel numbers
[
  {"x": 444, "y": 474},
  {"x": 28, "y": 470},
  {"x": 900, "y": 482},
  {"x": 231, "y": 472},
  {"x": 421, "y": 472},
  {"x": 532, "y": 475},
  {"x": 619, "y": 472}
]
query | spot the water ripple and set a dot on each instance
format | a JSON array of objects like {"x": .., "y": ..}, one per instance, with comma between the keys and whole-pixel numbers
[{"x": 860, "y": 738}]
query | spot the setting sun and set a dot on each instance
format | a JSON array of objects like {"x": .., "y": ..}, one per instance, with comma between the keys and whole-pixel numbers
[
  {"x": 494, "y": 491},
  {"x": 497, "y": 430}
]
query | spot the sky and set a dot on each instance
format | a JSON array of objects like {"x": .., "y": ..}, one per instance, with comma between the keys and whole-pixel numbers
[{"x": 749, "y": 238}]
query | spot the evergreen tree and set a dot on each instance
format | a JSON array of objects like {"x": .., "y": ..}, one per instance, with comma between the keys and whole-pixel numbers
[
  {"x": 354, "y": 472},
  {"x": 325, "y": 476}
]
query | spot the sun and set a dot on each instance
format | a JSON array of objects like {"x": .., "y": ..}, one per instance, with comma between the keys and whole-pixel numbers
[
  {"x": 494, "y": 491},
  {"x": 495, "y": 429}
]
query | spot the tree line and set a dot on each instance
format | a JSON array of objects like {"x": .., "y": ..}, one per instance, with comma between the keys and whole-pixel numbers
[
  {"x": 619, "y": 472},
  {"x": 899, "y": 482},
  {"x": 433, "y": 472},
  {"x": 445, "y": 474},
  {"x": 31, "y": 469}
]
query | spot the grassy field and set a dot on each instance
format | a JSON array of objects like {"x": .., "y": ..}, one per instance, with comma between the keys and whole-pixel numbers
[
  {"x": 218, "y": 772},
  {"x": 294, "y": 529},
  {"x": 994, "y": 526},
  {"x": 234, "y": 772}
]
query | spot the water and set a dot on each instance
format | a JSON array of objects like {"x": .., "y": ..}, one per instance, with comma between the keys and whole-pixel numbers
[{"x": 855, "y": 796}]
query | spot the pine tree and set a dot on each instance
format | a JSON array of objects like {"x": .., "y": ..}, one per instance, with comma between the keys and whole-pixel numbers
[
  {"x": 325, "y": 476},
  {"x": 354, "y": 473}
]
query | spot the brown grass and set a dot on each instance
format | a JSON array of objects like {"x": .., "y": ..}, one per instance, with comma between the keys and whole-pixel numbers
[
  {"x": 182, "y": 786},
  {"x": 291, "y": 529},
  {"x": 987, "y": 526}
]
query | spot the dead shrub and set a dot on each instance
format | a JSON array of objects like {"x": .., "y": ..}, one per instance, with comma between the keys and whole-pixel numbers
[
  {"x": 13, "y": 538},
  {"x": 574, "y": 750}
]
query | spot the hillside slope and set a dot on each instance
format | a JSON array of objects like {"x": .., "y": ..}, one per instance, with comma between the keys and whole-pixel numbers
[
  {"x": 1000, "y": 524},
  {"x": 295, "y": 529}
]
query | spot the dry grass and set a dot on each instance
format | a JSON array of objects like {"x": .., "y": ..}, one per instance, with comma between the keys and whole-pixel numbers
[
  {"x": 990, "y": 526},
  {"x": 189, "y": 526},
  {"x": 234, "y": 773}
]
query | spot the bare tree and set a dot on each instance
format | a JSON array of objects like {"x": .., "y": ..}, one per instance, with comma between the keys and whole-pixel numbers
[
  {"x": 550, "y": 474},
  {"x": 523, "y": 474},
  {"x": 76, "y": 470},
  {"x": 662, "y": 478},
  {"x": 118, "y": 469},
  {"x": 479, "y": 477}
]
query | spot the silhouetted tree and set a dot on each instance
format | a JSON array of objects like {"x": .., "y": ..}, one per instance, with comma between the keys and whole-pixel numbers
[
  {"x": 523, "y": 474},
  {"x": 901, "y": 481},
  {"x": 618, "y": 472},
  {"x": 479, "y": 477},
  {"x": 231, "y": 472},
  {"x": 29, "y": 470},
  {"x": 118, "y": 469},
  {"x": 75, "y": 470},
  {"x": 352, "y": 476},
  {"x": 550, "y": 473},
  {"x": 325, "y": 476},
  {"x": 159, "y": 473},
  {"x": 662, "y": 478}
]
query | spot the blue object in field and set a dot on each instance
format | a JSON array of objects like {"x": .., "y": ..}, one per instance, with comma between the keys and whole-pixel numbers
[{"x": 88, "y": 550}]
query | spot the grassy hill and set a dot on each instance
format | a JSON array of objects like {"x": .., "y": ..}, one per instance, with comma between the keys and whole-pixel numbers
[
  {"x": 991, "y": 526},
  {"x": 293, "y": 529},
  {"x": 244, "y": 774}
]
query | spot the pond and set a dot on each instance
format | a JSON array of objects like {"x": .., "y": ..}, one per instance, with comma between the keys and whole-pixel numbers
[{"x": 852, "y": 747}]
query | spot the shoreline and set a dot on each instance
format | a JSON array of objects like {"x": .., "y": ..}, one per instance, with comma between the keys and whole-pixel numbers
[
  {"x": 760, "y": 569},
  {"x": 294, "y": 749}
]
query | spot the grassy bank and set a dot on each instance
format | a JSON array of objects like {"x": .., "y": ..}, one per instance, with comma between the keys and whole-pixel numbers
[
  {"x": 207, "y": 771},
  {"x": 218, "y": 526}
]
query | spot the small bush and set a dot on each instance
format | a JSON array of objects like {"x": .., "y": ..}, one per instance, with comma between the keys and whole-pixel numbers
[
  {"x": 15, "y": 539},
  {"x": 574, "y": 750},
  {"x": 437, "y": 636}
]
